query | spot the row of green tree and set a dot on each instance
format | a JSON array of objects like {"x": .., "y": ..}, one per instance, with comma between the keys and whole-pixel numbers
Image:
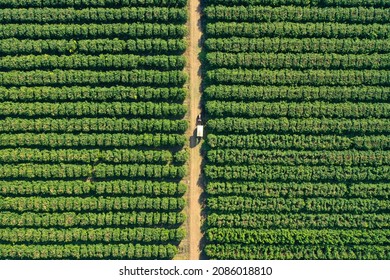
[
  {"x": 240, "y": 204},
  {"x": 92, "y": 3},
  {"x": 309, "y": 126},
  {"x": 292, "y": 158},
  {"x": 274, "y": 61},
  {"x": 86, "y": 93},
  {"x": 288, "y": 77},
  {"x": 297, "y": 252},
  {"x": 87, "y": 125},
  {"x": 293, "y": 93},
  {"x": 87, "y": 109},
  {"x": 293, "y": 189},
  {"x": 94, "y": 78},
  {"x": 13, "y": 46},
  {"x": 87, "y": 251},
  {"x": 299, "y": 142},
  {"x": 296, "y": 14},
  {"x": 101, "y": 62},
  {"x": 299, "y": 237},
  {"x": 293, "y": 45},
  {"x": 299, "y": 221},
  {"x": 90, "y": 204},
  {"x": 85, "y": 156},
  {"x": 75, "y": 187},
  {"x": 276, "y": 3},
  {"x": 313, "y": 109},
  {"x": 298, "y": 173},
  {"x": 296, "y": 30},
  {"x": 90, "y": 219},
  {"x": 99, "y": 235},
  {"x": 99, "y": 15},
  {"x": 81, "y": 31},
  {"x": 92, "y": 140}
]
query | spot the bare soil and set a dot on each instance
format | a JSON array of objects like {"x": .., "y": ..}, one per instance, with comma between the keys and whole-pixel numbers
[{"x": 196, "y": 182}]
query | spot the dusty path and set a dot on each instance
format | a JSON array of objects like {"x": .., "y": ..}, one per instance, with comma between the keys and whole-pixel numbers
[{"x": 195, "y": 191}]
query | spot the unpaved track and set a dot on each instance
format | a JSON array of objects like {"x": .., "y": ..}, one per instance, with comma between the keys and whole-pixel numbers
[{"x": 195, "y": 191}]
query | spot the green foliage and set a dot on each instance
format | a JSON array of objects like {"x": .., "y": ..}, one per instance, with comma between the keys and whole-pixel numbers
[
  {"x": 301, "y": 45},
  {"x": 298, "y": 30},
  {"x": 296, "y": 14},
  {"x": 103, "y": 61},
  {"x": 14, "y": 46},
  {"x": 76, "y": 93},
  {"x": 91, "y": 125},
  {"x": 90, "y": 140},
  {"x": 290, "y": 109},
  {"x": 297, "y": 149},
  {"x": 293, "y": 93},
  {"x": 308, "y": 126},
  {"x": 78, "y": 31},
  {"x": 297, "y": 61},
  {"x": 299, "y": 221},
  {"x": 92, "y": 78},
  {"x": 297, "y": 252},
  {"x": 89, "y": 109},
  {"x": 99, "y": 15},
  {"x": 88, "y": 251},
  {"x": 91, "y": 122},
  {"x": 92, "y": 3},
  {"x": 90, "y": 219}
]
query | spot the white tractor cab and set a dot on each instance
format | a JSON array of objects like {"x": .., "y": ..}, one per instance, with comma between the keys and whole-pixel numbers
[{"x": 199, "y": 128}]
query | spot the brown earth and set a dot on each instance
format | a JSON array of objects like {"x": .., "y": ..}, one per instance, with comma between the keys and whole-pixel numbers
[{"x": 195, "y": 188}]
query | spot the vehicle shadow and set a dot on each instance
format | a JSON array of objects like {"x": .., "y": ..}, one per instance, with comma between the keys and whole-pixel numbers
[{"x": 193, "y": 139}]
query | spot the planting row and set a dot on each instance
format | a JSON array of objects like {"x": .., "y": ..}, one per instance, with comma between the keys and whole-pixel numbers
[
  {"x": 241, "y": 204},
  {"x": 80, "y": 31},
  {"x": 96, "y": 78},
  {"x": 309, "y": 126},
  {"x": 14, "y": 46},
  {"x": 72, "y": 219},
  {"x": 300, "y": 237},
  {"x": 312, "y": 109},
  {"x": 79, "y": 235},
  {"x": 74, "y": 171},
  {"x": 11, "y": 125},
  {"x": 86, "y": 109},
  {"x": 91, "y": 140},
  {"x": 297, "y": 173},
  {"x": 93, "y": 3},
  {"x": 276, "y": 3},
  {"x": 100, "y": 15},
  {"x": 87, "y": 251},
  {"x": 309, "y": 189},
  {"x": 88, "y": 204},
  {"x": 114, "y": 93},
  {"x": 85, "y": 156},
  {"x": 298, "y": 252},
  {"x": 65, "y": 188},
  {"x": 297, "y": 14},
  {"x": 293, "y": 158},
  {"x": 299, "y": 221},
  {"x": 291, "y": 77},
  {"x": 292, "y": 45},
  {"x": 106, "y": 62},
  {"x": 299, "y": 142},
  {"x": 294, "y": 61},
  {"x": 293, "y": 30},
  {"x": 294, "y": 93}
]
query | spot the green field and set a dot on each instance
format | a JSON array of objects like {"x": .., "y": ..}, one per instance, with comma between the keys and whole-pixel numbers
[
  {"x": 95, "y": 130},
  {"x": 92, "y": 129},
  {"x": 298, "y": 152}
]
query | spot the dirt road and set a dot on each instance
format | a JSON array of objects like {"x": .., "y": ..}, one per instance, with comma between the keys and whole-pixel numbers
[{"x": 195, "y": 191}]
